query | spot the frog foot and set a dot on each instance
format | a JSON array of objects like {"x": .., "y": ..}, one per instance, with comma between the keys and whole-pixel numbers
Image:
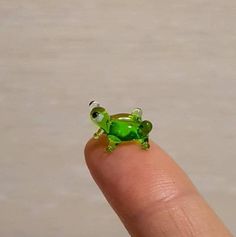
[
  {"x": 144, "y": 143},
  {"x": 110, "y": 148},
  {"x": 113, "y": 142},
  {"x": 145, "y": 146},
  {"x": 97, "y": 134}
]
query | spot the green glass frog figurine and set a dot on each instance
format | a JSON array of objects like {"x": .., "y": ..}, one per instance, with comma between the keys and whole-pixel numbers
[{"x": 120, "y": 127}]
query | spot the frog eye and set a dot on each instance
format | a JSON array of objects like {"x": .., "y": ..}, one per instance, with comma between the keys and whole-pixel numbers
[
  {"x": 95, "y": 114},
  {"x": 99, "y": 118},
  {"x": 138, "y": 112}
]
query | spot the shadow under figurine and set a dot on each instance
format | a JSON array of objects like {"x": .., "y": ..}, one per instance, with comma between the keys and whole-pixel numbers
[{"x": 120, "y": 127}]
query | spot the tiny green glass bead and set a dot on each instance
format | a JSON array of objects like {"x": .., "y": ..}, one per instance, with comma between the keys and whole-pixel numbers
[{"x": 121, "y": 127}]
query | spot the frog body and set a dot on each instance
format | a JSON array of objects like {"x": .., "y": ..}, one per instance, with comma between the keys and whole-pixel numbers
[{"x": 121, "y": 127}]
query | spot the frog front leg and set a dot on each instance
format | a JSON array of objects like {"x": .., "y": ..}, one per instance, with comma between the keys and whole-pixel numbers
[
  {"x": 97, "y": 134},
  {"x": 113, "y": 142}
]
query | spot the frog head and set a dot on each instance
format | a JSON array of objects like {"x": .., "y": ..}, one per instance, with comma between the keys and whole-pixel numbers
[{"x": 100, "y": 116}]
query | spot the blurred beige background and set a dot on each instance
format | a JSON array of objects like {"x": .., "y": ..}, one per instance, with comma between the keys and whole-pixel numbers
[{"x": 175, "y": 59}]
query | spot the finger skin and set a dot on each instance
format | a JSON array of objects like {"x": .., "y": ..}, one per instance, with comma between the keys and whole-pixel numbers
[{"x": 150, "y": 193}]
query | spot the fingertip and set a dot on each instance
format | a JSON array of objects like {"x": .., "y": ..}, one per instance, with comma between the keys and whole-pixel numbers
[
  {"x": 93, "y": 146},
  {"x": 147, "y": 185},
  {"x": 94, "y": 151},
  {"x": 123, "y": 161}
]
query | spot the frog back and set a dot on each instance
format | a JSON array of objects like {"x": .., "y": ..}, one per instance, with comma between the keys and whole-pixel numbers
[{"x": 124, "y": 127}]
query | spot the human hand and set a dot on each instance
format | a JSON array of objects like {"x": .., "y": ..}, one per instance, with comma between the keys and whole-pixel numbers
[{"x": 150, "y": 193}]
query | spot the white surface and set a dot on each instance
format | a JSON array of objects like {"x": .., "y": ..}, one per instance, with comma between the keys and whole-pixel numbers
[{"x": 176, "y": 60}]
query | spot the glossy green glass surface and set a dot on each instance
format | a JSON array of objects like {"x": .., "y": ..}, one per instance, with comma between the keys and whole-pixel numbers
[{"x": 121, "y": 127}]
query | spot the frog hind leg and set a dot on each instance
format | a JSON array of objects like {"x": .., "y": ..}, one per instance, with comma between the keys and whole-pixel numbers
[
  {"x": 113, "y": 142},
  {"x": 144, "y": 143},
  {"x": 144, "y": 128}
]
